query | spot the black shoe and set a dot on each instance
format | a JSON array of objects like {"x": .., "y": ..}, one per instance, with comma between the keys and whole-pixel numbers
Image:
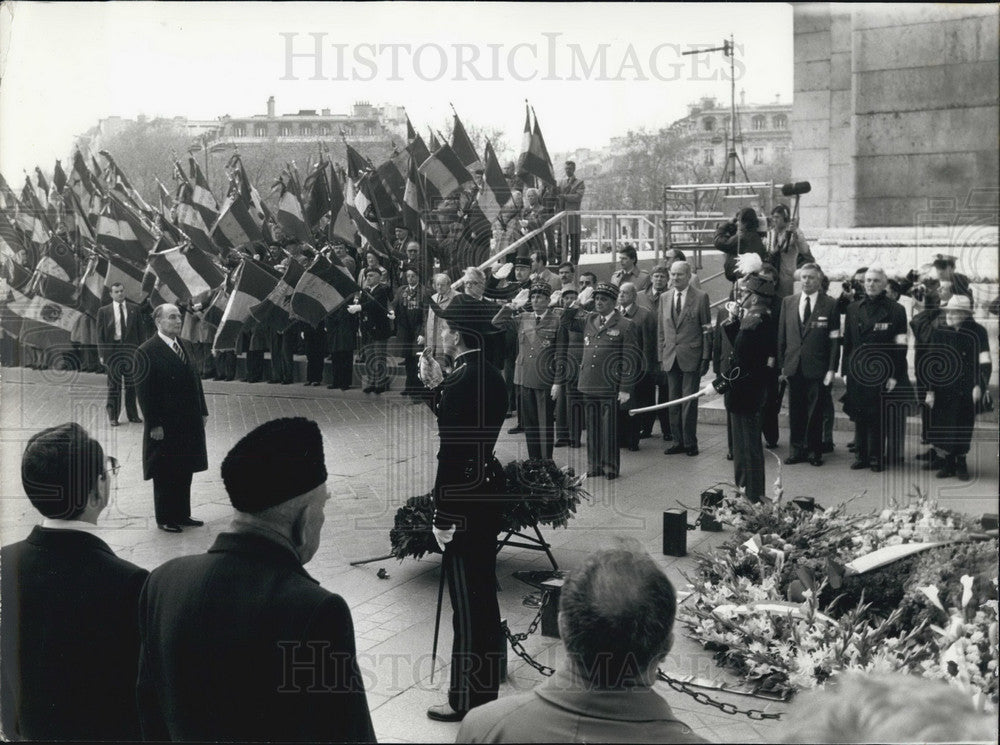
[
  {"x": 962, "y": 470},
  {"x": 368, "y": 389},
  {"x": 930, "y": 454},
  {"x": 729, "y": 455},
  {"x": 190, "y": 522},
  {"x": 771, "y": 445},
  {"x": 794, "y": 458},
  {"x": 113, "y": 422},
  {"x": 692, "y": 451},
  {"x": 816, "y": 459},
  {"x": 949, "y": 469},
  {"x": 851, "y": 447},
  {"x": 515, "y": 430},
  {"x": 934, "y": 462},
  {"x": 675, "y": 450},
  {"x": 633, "y": 448},
  {"x": 858, "y": 464},
  {"x": 645, "y": 435},
  {"x": 596, "y": 472},
  {"x": 444, "y": 713},
  {"x": 827, "y": 447},
  {"x": 135, "y": 420},
  {"x": 332, "y": 386},
  {"x": 877, "y": 466},
  {"x": 575, "y": 445},
  {"x": 169, "y": 528},
  {"x": 560, "y": 443},
  {"x": 611, "y": 475}
]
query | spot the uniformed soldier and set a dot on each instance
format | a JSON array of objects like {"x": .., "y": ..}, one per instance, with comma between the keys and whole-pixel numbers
[
  {"x": 468, "y": 497},
  {"x": 534, "y": 369},
  {"x": 569, "y": 412},
  {"x": 749, "y": 328},
  {"x": 611, "y": 363},
  {"x": 628, "y": 271},
  {"x": 645, "y": 326},
  {"x": 874, "y": 362},
  {"x": 962, "y": 348}
]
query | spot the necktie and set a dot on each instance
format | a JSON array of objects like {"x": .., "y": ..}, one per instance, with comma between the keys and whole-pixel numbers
[
  {"x": 538, "y": 319},
  {"x": 179, "y": 351},
  {"x": 677, "y": 305},
  {"x": 121, "y": 317},
  {"x": 602, "y": 322},
  {"x": 807, "y": 312}
]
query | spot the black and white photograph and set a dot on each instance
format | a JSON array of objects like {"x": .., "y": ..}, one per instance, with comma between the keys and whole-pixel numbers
[{"x": 431, "y": 372}]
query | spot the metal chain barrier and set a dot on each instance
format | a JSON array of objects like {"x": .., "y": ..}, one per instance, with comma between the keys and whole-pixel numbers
[{"x": 700, "y": 696}]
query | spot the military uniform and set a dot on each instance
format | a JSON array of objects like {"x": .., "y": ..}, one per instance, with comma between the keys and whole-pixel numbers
[
  {"x": 744, "y": 386},
  {"x": 645, "y": 385},
  {"x": 610, "y": 365},
  {"x": 874, "y": 351},
  {"x": 534, "y": 373}
]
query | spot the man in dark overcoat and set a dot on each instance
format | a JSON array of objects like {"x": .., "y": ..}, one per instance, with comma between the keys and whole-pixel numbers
[
  {"x": 173, "y": 438},
  {"x": 342, "y": 340},
  {"x": 470, "y": 404},
  {"x": 241, "y": 643},
  {"x": 874, "y": 362}
]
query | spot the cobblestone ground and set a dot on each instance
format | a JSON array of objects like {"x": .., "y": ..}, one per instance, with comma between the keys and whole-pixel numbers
[{"x": 379, "y": 451}]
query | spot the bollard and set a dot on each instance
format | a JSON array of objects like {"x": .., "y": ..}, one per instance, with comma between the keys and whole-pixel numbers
[{"x": 675, "y": 532}]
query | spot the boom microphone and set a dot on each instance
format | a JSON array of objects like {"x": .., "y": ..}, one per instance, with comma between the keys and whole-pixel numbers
[{"x": 794, "y": 190}]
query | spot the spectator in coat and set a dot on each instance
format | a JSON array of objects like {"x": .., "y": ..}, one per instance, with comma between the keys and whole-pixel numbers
[
  {"x": 376, "y": 328},
  {"x": 342, "y": 340},
  {"x": 119, "y": 332},
  {"x": 628, "y": 271},
  {"x": 570, "y": 197},
  {"x": 69, "y": 627},
  {"x": 409, "y": 308},
  {"x": 432, "y": 341},
  {"x": 241, "y": 643},
  {"x": 630, "y": 427}
]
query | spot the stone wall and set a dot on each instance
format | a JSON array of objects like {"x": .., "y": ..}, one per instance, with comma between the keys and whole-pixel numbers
[{"x": 895, "y": 112}]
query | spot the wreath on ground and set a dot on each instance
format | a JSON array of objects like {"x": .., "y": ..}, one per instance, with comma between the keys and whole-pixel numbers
[
  {"x": 538, "y": 492},
  {"x": 795, "y": 596}
]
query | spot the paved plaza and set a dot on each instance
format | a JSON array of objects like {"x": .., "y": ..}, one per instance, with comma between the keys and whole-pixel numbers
[{"x": 379, "y": 451}]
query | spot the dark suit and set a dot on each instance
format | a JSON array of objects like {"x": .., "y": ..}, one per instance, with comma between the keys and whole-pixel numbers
[
  {"x": 805, "y": 355},
  {"x": 118, "y": 356},
  {"x": 70, "y": 638},
  {"x": 172, "y": 398},
  {"x": 242, "y": 644},
  {"x": 471, "y": 405},
  {"x": 685, "y": 343},
  {"x": 570, "y": 197},
  {"x": 630, "y": 427},
  {"x": 376, "y": 328}
]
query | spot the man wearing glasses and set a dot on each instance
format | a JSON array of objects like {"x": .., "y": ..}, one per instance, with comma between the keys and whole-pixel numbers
[{"x": 69, "y": 629}]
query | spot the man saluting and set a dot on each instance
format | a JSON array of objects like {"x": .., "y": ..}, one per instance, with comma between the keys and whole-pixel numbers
[{"x": 470, "y": 405}]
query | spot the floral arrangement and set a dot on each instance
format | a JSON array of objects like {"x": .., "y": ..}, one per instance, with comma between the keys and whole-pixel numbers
[
  {"x": 779, "y": 606},
  {"x": 538, "y": 493}
]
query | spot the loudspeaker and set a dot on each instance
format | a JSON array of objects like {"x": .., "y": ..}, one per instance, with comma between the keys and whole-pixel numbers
[
  {"x": 675, "y": 532},
  {"x": 710, "y": 500}
]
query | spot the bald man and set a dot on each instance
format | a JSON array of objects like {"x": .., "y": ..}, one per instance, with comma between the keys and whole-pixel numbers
[{"x": 173, "y": 439}]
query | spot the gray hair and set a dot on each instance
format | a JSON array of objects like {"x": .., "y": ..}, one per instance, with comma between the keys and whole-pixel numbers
[{"x": 682, "y": 265}]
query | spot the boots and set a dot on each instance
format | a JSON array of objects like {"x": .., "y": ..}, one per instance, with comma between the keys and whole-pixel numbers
[
  {"x": 949, "y": 467},
  {"x": 961, "y": 468},
  {"x": 934, "y": 461}
]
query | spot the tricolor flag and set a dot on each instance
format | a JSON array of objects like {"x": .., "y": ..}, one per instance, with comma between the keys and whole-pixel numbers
[
  {"x": 130, "y": 276},
  {"x": 122, "y": 232},
  {"x": 365, "y": 218},
  {"x": 201, "y": 196},
  {"x": 463, "y": 147},
  {"x": 157, "y": 292},
  {"x": 391, "y": 178},
  {"x": 92, "y": 293},
  {"x": 11, "y": 247},
  {"x": 80, "y": 179},
  {"x": 59, "y": 179},
  {"x": 58, "y": 260},
  {"x": 534, "y": 159},
  {"x": 341, "y": 225},
  {"x": 413, "y": 201},
  {"x": 323, "y": 288},
  {"x": 44, "y": 323},
  {"x": 290, "y": 217},
  {"x": 242, "y": 215},
  {"x": 53, "y": 288},
  {"x": 212, "y": 314},
  {"x": 445, "y": 171},
  {"x": 275, "y": 311},
  {"x": 119, "y": 182},
  {"x": 252, "y": 283},
  {"x": 495, "y": 193},
  {"x": 317, "y": 194},
  {"x": 8, "y": 200},
  {"x": 190, "y": 219},
  {"x": 77, "y": 214},
  {"x": 187, "y": 272}
]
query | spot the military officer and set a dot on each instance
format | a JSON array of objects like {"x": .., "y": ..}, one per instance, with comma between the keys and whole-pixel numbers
[
  {"x": 610, "y": 366},
  {"x": 874, "y": 361},
  {"x": 535, "y": 366}
]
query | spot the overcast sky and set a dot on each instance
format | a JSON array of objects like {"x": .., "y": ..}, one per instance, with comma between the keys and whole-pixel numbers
[{"x": 591, "y": 71}]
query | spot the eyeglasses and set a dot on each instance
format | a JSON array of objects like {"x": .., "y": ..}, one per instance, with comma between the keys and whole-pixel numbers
[{"x": 111, "y": 465}]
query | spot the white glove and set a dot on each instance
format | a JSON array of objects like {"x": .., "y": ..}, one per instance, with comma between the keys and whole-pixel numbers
[
  {"x": 890, "y": 384},
  {"x": 443, "y": 537},
  {"x": 352, "y": 309},
  {"x": 828, "y": 378},
  {"x": 420, "y": 339},
  {"x": 623, "y": 398},
  {"x": 521, "y": 299},
  {"x": 929, "y": 399},
  {"x": 430, "y": 372},
  {"x": 556, "y": 390},
  {"x": 585, "y": 295},
  {"x": 977, "y": 393}
]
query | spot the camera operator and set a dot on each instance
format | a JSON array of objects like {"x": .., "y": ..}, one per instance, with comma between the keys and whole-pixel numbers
[
  {"x": 787, "y": 249},
  {"x": 739, "y": 236}
]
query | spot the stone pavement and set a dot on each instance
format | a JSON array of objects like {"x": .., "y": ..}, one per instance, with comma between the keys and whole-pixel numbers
[{"x": 380, "y": 451}]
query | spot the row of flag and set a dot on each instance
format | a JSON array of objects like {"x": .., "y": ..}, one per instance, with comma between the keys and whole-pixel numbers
[{"x": 64, "y": 242}]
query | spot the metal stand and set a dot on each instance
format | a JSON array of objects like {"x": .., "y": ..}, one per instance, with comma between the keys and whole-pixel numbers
[{"x": 535, "y": 543}]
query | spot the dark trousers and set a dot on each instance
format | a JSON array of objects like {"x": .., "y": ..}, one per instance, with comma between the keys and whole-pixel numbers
[
  {"x": 343, "y": 369},
  {"x": 829, "y": 416},
  {"x": 225, "y": 365},
  {"x": 121, "y": 375},
  {"x": 869, "y": 436},
  {"x": 661, "y": 394},
  {"x": 537, "y": 410},
  {"x": 376, "y": 357},
  {"x": 683, "y": 418},
  {"x": 571, "y": 250},
  {"x": 410, "y": 365},
  {"x": 630, "y": 427},
  {"x": 255, "y": 366},
  {"x": 569, "y": 414},
  {"x": 508, "y": 377},
  {"x": 806, "y": 404},
  {"x": 601, "y": 416},
  {"x": 748, "y": 454},
  {"x": 282, "y": 355},
  {"x": 315, "y": 342},
  {"x": 470, "y": 562},
  {"x": 772, "y": 405},
  {"x": 172, "y": 495},
  {"x": 952, "y": 422}
]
